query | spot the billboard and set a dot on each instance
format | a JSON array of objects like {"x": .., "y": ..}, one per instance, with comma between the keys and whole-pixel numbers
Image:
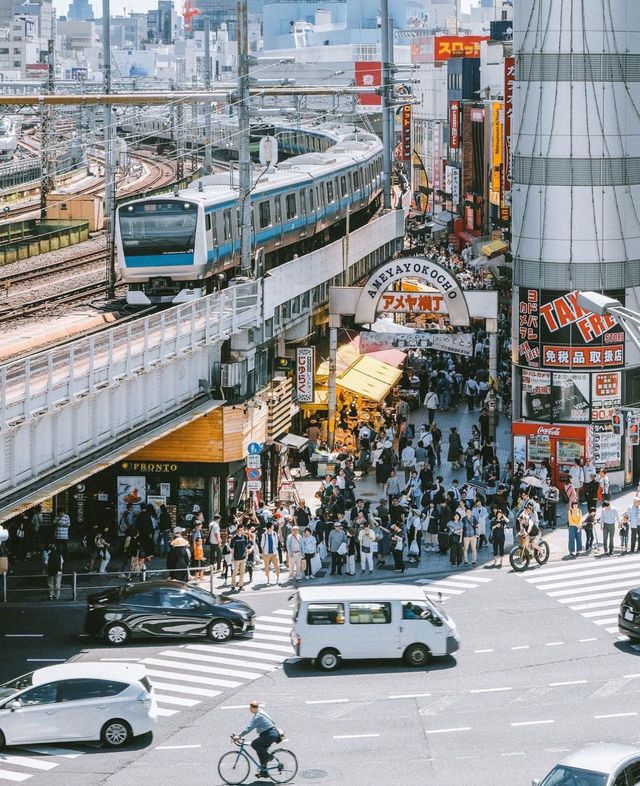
[
  {"x": 509, "y": 78},
  {"x": 422, "y": 49},
  {"x": 495, "y": 181},
  {"x": 305, "y": 369},
  {"x": 447, "y": 46},
  {"x": 405, "y": 129},
  {"x": 555, "y": 332},
  {"x": 368, "y": 73},
  {"x": 454, "y": 125},
  {"x": 458, "y": 343}
]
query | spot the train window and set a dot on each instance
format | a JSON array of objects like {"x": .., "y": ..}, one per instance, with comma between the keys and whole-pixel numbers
[
  {"x": 226, "y": 220},
  {"x": 336, "y": 188},
  {"x": 329, "y": 191},
  {"x": 356, "y": 181},
  {"x": 264, "y": 209},
  {"x": 311, "y": 204},
  {"x": 207, "y": 222},
  {"x": 319, "y": 193},
  {"x": 291, "y": 206},
  {"x": 278, "y": 204},
  {"x": 303, "y": 201}
]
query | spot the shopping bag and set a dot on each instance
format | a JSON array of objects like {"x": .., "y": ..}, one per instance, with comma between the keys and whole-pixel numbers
[
  {"x": 316, "y": 564},
  {"x": 322, "y": 551},
  {"x": 414, "y": 549},
  {"x": 508, "y": 538}
]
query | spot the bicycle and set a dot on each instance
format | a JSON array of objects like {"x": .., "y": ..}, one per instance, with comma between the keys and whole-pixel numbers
[
  {"x": 520, "y": 555},
  {"x": 234, "y": 767}
]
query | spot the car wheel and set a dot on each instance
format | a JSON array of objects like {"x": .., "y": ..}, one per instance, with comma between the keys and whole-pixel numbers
[
  {"x": 117, "y": 634},
  {"x": 328, "y": 660},
  {"x": 116, "y": 733},
  {"x": 416, "y": 655},
  {"x": 3, "y": 742},
  {"x": 220, "y": 630}
]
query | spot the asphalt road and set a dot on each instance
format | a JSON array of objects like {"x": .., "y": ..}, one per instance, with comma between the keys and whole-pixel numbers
[{"x": 533, "y": 679}]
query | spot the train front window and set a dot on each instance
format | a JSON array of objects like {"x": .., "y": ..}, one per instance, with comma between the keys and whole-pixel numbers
[{"x": 158, "y": 227}]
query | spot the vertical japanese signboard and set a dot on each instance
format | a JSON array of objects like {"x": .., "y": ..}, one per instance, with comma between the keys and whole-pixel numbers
[
  {"x": 305, "y": 367},
  {"x": 509, "y": 78},
  {"x": 495, "y": 182},
  {"x": 405, "y": 144},
  {"x": 454, "y": 125}
]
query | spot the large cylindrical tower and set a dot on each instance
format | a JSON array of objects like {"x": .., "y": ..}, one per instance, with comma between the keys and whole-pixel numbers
[{"x": 576, "y": 223}]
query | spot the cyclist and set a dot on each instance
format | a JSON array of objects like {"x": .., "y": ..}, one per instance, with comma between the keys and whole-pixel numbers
[
  {"x": 529, "y": 527},
  {"x": 267, "y": 735}
]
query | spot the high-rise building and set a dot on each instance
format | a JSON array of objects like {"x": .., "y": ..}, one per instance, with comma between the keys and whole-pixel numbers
[
  {"x": 80, "y": 11},
  {"x": 575, "y": 194},
  {"x": 6, "y": 13}
]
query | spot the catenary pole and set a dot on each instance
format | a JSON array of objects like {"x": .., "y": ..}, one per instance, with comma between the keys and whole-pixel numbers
[
  {"x": 244, "y": 153},
  {"x": 387, "y": 141},
  {"x": 108, "y": 132}
]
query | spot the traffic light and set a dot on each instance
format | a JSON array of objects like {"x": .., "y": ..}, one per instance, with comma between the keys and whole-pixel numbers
[{"x": 616, "y": 421}]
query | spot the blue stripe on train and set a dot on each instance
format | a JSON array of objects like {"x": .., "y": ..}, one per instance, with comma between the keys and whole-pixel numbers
[{"x": 162, "y": 259}]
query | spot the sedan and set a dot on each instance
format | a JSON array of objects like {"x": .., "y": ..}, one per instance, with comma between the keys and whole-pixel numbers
[
  {"x": 629, "y": 615},
  {"x": 165, "y": 608},
  {"x": 111, "y": 702},
  {"x": 603, "y": 764}
]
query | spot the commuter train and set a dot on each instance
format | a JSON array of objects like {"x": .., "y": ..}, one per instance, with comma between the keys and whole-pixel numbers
[
  {"x": 173, "y": 249},
  {"x": 8, "y": 138}
]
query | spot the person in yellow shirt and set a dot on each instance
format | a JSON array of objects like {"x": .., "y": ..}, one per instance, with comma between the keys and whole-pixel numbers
[{"x": 574, "y": 520}]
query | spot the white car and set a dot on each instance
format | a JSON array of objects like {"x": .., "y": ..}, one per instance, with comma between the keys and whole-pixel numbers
[{"x": 110, "y": 702}]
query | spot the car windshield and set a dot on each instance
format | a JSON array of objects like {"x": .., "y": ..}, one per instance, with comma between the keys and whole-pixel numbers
[
  {"x": 158, "y": 226},
  {"x": 570, "y": 776},
  {"x": 202, "y": 594},
  {"x": 13, "y": 686}
]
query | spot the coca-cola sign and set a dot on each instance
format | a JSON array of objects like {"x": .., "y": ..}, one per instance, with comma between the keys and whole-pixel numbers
[{"x": 548, "y": 431}]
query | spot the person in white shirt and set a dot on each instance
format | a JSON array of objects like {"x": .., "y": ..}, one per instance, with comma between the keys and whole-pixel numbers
[
  {"x": 431, "y": 402},
  {"x": 633, "y": 514},
  {"x": 408, "y": 459},
  {"x": 294, "y": 552},
  {"x": 576, "y": 473},
  {"x": 610, "y": 521}
]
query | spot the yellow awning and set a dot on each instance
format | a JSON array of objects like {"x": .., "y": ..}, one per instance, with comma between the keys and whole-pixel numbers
[
  {"x": 369, "y": 378},
  {"x": 494, "y": 248},
  {"x": 346, "y": 356}
]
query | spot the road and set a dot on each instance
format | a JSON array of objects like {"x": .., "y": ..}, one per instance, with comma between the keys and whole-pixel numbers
[{"x": 534, "y": 677}]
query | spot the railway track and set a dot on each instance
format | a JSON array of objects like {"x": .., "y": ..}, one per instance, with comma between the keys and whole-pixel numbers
[
  {"x": 56, "y": 299},
  {"x": 7, "y": 280}
]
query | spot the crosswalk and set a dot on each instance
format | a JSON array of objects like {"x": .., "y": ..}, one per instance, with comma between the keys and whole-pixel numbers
[
  {"x": 454, "y": 584},
  {"x": 182, "y": 677},
  {"x": 593, "y": 587}
]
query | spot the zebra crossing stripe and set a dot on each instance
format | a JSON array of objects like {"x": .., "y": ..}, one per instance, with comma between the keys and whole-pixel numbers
[
  {"x": 184, "y": 664},
  {"x": 189, "y": 654},
  {"x": 578, "y": 582},
  {"x": 166, "y": 713},
  {"x": 232, "y": 650},
  {"x": 270, "y": 637},
  {"x": 278, "y": 620},
  {"x": 288, "y": 651},
  {"x": 210, "y": 694},
  {"x": 273, "y": 628},
  {"x": 284, "y": 612},
  {"x": 23, "y": 761},
  {"x": 176, "y": 700},
  {"x": 597, "y": 564},
  {"x": 9, "y": 775},
  {"x": 52, "y": 750},
  {"x": 179, "y": 677},
  {"x": 592, "y": 588}
]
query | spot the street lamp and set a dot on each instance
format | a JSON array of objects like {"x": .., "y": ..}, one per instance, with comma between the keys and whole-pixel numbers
[{"x": 602, "y": 304}]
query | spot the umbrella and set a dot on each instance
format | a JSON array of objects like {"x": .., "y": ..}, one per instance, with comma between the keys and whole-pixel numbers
[{"x": 532, "y": 480}]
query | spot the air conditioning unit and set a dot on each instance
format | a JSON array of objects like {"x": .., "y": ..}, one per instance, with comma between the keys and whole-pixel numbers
[{"x": 231, "y": 374}]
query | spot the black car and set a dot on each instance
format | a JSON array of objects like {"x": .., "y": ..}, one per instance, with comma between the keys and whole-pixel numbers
[
  {"x": 629, "y": 615},
  {"x": 165, "y": 608}
]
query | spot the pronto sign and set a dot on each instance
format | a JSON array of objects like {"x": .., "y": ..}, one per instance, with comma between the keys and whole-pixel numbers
[{"x": 431, "y": 273}]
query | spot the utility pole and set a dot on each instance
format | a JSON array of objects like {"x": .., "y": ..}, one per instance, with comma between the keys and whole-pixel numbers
[
  {"x": 46, "y": 120},
  {"x": 108, "y": 134},
  {"x": 387, "y": 117},
  {"x": 207, "y": 107},
  {"x": 244, "y": 153},
  {"x": 179, "y": 142}
]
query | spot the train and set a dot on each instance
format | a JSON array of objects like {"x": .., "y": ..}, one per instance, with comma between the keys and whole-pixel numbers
[
  {"x": 175, "y": 248},
  {"x": 8, "y": 138}
]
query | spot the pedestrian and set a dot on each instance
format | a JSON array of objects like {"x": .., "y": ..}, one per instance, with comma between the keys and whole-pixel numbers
[
  {"x": 368, "y": 541},
  {"x": 164, "y": 530},
  {"x": 431, "y": 402},
  {"x": 352, "y": 548},
  {"x": 455, "y": 452},
  {"x": 380, "y": 547},
  {"x": 61, "y": 525},
  {"x": 309, "y": 549},
  {"x": 570, "y": 494},
  {"x": 227, "y": 557},
  {"x": 239, "y": 544},
  {"x": 551, "y": 499},
  {"x": 294, "y": 553},
  {"x": 394, "y": 486},
  {"x": 397, "y": 545},
  {"x": 252, "y": 552},
  {"x": 197, "y": 548},
  {"x": 604, "y": 486},
  {"x": 574, "y": 522},
  {"x": 624, "y": 534},
  {"x": 269, "y": 549},
  {"x": 455, "y": 530},
  {"x": 610, "y": 523},
  {"x": 179, "y": 556},
  {"x": 146, "y": 529},
  {"x": 337, "y": 546},
  {"x": 35, "y": 528},
  {"x": 633, "y": 514},
  {"x": 483, "y": 423},
  {"x": 481, "y": 519},
  {"x": 408, "y": 460},
  {"x": 576, "y": 474},
  {"x": 55, "y": 563},
  {"x": 469, "y": 537},
  {"x": 471, "y": 391},
  {"x": 591, "y": 484},
  {"x": 498, "y": 525},
  {"x": 588, "y": 523},
  {"x": 103, "y": 554}
]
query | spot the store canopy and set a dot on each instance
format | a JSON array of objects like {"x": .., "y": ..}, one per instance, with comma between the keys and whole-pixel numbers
[
  {"x": 294, "y": 441},
  {"x": 346, "y": 357},
  {"x": 494, "y": 248},
  {"x": 391, "y": 356},
  {"x": 369, "y": 378}
]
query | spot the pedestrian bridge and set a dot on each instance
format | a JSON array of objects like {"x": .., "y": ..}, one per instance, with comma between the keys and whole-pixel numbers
[{"x": 69, "y": 411}]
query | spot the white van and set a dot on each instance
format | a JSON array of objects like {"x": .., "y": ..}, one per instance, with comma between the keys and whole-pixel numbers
[{"x": 370, "y": 621}]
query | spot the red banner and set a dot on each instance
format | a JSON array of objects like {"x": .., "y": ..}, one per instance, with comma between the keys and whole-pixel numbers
[
  {"x": 448, "y": 46},
  {"x": 368, "y": 73},
  {"x": 509, "y": 79},
  {"x": 405, "y": 144},
  {"x": 454, "y": 125}
]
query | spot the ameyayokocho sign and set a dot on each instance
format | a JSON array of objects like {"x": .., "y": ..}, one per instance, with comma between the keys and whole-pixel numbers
[
  {"x": 412, "y": 303},
  {"x": 555, "y": 332}
]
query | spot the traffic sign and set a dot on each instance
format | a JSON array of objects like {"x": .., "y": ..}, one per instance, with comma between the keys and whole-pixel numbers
[
  {"x": 254, "y": 485},
  {"x": 253, "y": 448},
  {"x": 253, "y": 461},
  {"x": 253, "y": 474}
]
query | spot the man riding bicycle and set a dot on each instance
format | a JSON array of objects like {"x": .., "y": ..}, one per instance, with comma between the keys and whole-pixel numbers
[
  {"x": 530, "y": 529},
  {"x": 267, "y": 735}
]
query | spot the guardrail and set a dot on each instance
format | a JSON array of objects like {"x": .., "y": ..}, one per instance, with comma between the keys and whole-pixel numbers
[
  {"x": 73, "y": 586},
  {"x": 45, "y": 382}
]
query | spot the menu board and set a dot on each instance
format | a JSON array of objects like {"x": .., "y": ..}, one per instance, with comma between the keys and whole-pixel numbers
[{"x": 605, "y": 395}]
